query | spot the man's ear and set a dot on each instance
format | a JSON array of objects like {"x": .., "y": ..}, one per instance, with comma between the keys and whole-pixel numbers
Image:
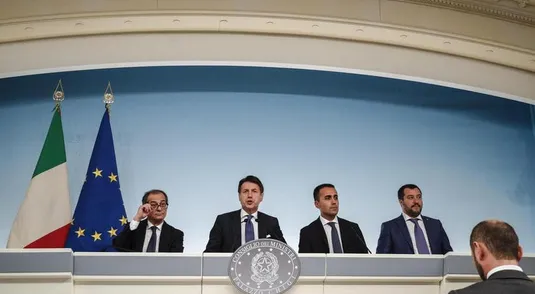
[
  {"x": 520, "y": 253},
  {"x": 479, "y": 251}
]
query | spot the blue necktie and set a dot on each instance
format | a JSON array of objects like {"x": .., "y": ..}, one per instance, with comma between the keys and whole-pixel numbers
[
  {"x": 420, "y": 238},
  {"x": 152, "y": 242},
  {"x": 337, "y": 247},
  {"x": 249, "y": 229}
]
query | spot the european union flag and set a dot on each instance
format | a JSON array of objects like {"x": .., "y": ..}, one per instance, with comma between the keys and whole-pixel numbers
[{"x": 100, "y": 214}]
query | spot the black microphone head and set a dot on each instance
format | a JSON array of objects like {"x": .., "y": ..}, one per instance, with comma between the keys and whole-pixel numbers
[{"x": 360, "y": 239}]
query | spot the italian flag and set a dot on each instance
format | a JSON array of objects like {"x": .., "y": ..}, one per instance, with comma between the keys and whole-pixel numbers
[{"x": 44, "y": 217}]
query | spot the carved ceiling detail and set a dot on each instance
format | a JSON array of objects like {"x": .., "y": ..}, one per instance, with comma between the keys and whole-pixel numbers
[{"x": 519, "y": 11}]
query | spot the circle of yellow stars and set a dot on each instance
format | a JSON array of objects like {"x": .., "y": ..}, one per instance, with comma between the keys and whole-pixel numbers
[
  {"x": 96, "y": 235},
  {"x": 112, "y": 231}
]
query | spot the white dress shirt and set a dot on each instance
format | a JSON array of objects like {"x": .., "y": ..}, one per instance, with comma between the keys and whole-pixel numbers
[
  {"x": 506, "y": 267},
  {"x": 328, "y": 229},
  {"x": 148, "y": 234},
  {"x": 410, "y": 227},
  {"x": 254, "y": 220}
]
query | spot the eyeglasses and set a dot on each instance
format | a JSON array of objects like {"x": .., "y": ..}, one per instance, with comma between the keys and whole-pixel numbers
[{"x": 155, "y": 205}]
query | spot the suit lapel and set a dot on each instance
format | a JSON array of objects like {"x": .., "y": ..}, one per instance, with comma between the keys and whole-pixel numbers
[
  {"x": 429, "y": 230},
  {"x": 236, "y": 230},
  {"x": 323, "y": 237},
  {"x": 345, "y": 233},
  {"x": 402, "y": 226},
  {"x": 262, "y": 225},
  {"x": 163, "y": 245},
  {"x": 140, "y": 236}
]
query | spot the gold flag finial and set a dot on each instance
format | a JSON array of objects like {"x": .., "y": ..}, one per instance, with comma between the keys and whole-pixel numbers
[
  {"x": 59, "y": 94},
  {"x": 108, "y": 96}
]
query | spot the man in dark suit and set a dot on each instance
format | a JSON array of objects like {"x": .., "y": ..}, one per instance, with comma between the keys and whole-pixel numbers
[
  {"x": 235, "y": 228},
  {"x": 412, "y": 233},
  {"x": 496, "y": 253},
  {"x": 330, "y": 233},
  {"x": 148, "y": 232}
]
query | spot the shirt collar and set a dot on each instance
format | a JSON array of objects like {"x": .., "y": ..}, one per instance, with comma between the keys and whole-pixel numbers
[
  {"x": 504, "y": 268},
  {"x": 324, "y": 221},
  {"x": 406, "y": 217},
  {"x": 243, "y": 214},
  {"x": 149, "y": 225}
]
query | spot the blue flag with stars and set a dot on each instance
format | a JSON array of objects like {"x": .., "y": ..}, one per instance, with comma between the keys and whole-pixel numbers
[{"x": 100, "y": 214}]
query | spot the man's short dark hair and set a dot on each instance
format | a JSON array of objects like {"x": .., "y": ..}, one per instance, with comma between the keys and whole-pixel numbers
[
  {"x": 499, "y": 237},
  {"x": 251, "y": 179},
  {"x": 401, "y": 191},
  {"x": 153, "y": 191},
  {"x": 317, "y": 190}
]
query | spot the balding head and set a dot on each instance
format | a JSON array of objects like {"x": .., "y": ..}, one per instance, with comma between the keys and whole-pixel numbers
[
  {"x": 494, "y": 243},
  {"x": 499, "y": 237}
]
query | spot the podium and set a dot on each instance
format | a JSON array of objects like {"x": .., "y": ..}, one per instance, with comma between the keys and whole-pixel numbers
[{"x": 60, "y": 271}]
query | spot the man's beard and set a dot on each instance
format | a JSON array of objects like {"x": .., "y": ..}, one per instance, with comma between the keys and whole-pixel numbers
[
  {"x": 480, "y": 271},
  {"x": 413, "y": 213}
]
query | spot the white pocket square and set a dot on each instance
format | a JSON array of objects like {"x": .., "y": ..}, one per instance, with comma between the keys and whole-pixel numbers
[{"x": 268, "y": 236}]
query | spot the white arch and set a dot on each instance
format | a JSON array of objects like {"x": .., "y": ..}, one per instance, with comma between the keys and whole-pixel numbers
[{"x": 104, "y": 40}]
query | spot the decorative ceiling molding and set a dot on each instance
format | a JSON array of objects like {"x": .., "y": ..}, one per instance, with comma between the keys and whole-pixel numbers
[
  {"x": 521, "y": 3},
  {"x": 518, "y": 11}
]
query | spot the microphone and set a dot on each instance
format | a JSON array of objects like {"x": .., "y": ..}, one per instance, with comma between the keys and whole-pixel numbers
[
  {"x": 275, "y": 236},
  {"x": 360, "y": 239},
  {"x": 233, "y": 249}
]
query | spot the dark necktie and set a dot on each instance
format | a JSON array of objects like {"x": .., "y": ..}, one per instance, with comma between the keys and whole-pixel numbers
[
  {"x": 419, "y": 237},
  {"x": 337, "y": 247},
  {"x": 152, "y": 242},
  {"x": 249, "y": 229}
]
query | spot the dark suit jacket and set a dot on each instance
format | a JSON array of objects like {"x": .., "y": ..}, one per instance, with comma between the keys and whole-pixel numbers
[
  {"x": 225, "y": 235},
  {"x": 395, "y": 237},
  {"x": 312, "y": 238},
  {"x": 507, "y": 281},
  {"x": 171, "y": 239}
]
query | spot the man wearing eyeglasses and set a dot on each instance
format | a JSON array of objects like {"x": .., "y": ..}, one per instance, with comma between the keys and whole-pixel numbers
[{"x": 148, "y": 232}]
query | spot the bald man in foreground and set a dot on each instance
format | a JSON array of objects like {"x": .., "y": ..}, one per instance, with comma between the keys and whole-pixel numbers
[{"x": 496, "y": 253}]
